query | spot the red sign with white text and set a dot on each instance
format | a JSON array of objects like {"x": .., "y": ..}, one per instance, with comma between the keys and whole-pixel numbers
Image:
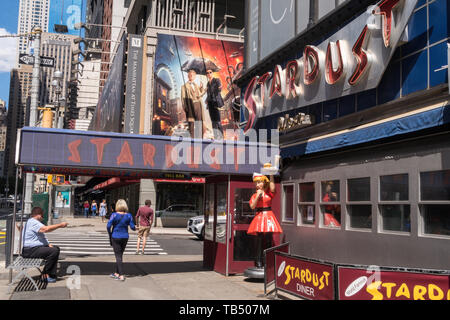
[
  {"x": 361, "y": 284},
  {"x": 303, "y": 278}
]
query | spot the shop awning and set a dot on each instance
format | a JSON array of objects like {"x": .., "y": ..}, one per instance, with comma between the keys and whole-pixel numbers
[
  {"x": 421, "y": 119},
  {"x": 115, "y": 183},
  {"x": 88, "y": 153}
]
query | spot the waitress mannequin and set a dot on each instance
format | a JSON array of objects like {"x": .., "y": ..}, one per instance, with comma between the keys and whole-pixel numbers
[{"x": 264, "y": 224}]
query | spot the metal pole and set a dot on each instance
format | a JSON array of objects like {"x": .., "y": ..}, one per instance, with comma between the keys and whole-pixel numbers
[
  {"x": 35, "y": 81},
  {"x": 13, "y": 229}
]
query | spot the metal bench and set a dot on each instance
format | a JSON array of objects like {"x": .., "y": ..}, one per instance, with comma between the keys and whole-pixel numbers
[{"x": 22, "y": 265}]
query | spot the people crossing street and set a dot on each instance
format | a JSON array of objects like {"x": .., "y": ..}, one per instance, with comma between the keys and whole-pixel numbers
[{"x": 95, "y": 243}]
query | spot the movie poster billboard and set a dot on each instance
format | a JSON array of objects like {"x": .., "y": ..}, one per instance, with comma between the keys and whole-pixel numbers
[
  {"x": 194, "y": 91},
  {"x": 108, "y": 113}
]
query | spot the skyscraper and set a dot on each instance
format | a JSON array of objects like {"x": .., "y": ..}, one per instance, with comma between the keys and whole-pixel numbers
[{"x": 32, "y": 13}]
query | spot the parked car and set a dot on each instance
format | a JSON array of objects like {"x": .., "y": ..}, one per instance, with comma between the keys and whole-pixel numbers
[
  {"x": 196, "y": 226},
  {"x": 177, "y": 215}
]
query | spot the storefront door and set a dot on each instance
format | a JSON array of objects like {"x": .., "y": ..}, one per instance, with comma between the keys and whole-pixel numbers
[
  {"x": 228, "y": 249},
  {"x": 242, "y": 249}
]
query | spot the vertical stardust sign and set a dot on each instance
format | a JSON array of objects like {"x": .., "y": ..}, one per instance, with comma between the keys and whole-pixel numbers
[
  {"x": 357, "y": 283},
  {"x": 134, "y": 82},
  {"x": 304, "y": 278}
]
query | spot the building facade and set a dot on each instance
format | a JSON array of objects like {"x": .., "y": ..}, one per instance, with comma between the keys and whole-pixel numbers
[
  {"x": 18, "y": 111},
  {"x": 365, "y": 181},
  {"x": 32, "y": 13},
  {"x": 3, "y": 129}
]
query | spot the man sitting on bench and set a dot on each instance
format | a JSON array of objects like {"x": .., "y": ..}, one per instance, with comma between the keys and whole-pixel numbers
[{"x": 35, "y": 244}]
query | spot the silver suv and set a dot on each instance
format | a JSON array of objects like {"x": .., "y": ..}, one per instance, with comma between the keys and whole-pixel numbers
[{"x": 196, "y": 226}]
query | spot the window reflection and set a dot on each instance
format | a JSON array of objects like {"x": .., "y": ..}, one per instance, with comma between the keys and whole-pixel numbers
[
  {"x": 435, "y": 185},
  {"x": 221, "y": 208},
  {"x": 243, "y": 214},
  {"x": 394, "y": 187},
  {"x": 209, "y": 212},
  {"x": 396, "y": 217}
]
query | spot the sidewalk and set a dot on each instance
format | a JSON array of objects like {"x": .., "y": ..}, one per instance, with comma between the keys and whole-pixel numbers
[{"x": 149, "y": 277}]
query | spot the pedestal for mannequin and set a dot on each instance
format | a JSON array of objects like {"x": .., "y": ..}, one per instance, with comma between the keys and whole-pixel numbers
[{"x": 257, "y": 272}]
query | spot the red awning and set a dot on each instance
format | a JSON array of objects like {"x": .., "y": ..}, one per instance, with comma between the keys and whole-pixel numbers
[
  {"x": 115, "y": 183},
  {"x": 193, "y": 180}
]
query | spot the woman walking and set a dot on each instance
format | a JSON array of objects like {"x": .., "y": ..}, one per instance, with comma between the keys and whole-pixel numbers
[
  {"x": 103, "y": 210},
  {"x": 94, "y": 208},
  {"x": 118, "y": 231}
]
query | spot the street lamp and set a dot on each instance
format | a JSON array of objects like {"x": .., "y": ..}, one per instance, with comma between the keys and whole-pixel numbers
[{"x": 56, "y": 84}]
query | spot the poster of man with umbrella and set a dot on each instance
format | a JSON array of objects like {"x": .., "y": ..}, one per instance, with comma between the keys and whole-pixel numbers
[{"x": 194, "y": 92}]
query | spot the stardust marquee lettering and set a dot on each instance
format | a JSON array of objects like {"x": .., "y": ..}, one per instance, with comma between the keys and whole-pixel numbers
[{"x": 340, "y": 63}]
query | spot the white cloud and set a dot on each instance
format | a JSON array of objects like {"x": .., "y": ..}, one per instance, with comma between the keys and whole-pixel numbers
[{"x": 8, "y": 48}]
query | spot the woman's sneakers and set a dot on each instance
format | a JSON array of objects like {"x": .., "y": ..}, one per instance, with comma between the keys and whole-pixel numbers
[{"x": 116, "y": 277}]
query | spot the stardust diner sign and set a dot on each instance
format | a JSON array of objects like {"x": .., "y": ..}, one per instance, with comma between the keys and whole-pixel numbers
[
  {"x": 350, "y": 61},
  {"x": 42, "y": 150}
]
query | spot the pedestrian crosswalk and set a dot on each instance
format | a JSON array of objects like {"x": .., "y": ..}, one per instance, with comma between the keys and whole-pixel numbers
[{"x": 97, "y": 243}]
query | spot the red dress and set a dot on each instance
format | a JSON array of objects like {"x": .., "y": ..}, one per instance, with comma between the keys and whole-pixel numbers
[{"x": 265, "y": 220}]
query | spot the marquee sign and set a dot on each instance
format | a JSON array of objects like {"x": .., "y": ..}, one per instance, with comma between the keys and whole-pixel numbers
[
  {"x": 71, "y": 152},
  {"x": 350, "y": 61}
]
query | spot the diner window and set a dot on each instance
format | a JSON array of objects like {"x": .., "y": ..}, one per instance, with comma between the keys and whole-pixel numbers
[
  {"x": 288, "y": 203},
  {"x": 395, "y": 209},
  {"x": 306, "y": 206},
  {"x": 330, "y": 206},
  {"x": 435, "y": 202},
  {"x": 359, "y": 206}
]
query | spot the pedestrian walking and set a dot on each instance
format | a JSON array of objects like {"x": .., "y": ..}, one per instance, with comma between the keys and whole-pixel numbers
[
  {"x": 103, "y": 209},
  {"x": 144, "y": 221},
  {"x": 86, "y": 209},
  {"x": 36, "y": 245},
  {"x": 94, "y": 208},
  {"x": 118, "y": 232}
]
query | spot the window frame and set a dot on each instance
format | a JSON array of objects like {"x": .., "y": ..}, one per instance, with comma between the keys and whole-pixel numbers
[
  {"x": 283, "y": 201},
  {"x": 420, "y": 211},
  {"x": 307, "y": 203},
  {"x": 380, "y": 203},
  {"x": 349, "y": 203},
  {"x": 322, "y": 204}
]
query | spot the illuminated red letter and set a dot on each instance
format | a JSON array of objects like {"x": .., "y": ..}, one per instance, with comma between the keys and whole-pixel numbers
[
  {"x": 100, "y": 144},
  {"x": 215, "y": 158},
  {"x": 361, "y": 56},
  {"x": 385, "y": 9},
  {"x": 332, "y": 75},
  {"x": 148, "y": 152},
  {"x": 262, "y": 82},
  {"x": 169, "y": 154},
  {"x": 73, "y": 148},
  {"x": 291, "y": 79},
  {"x": 277, "y": 86},
  {"x": 250, "y": 104},
  {"x": 310, "y": 72},
  {"x": 125, "y": 155}
]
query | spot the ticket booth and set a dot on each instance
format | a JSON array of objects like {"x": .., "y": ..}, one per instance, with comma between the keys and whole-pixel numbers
[{"x": 228, "y": 249}]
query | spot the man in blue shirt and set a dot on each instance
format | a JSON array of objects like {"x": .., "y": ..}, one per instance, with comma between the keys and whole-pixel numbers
[{"x": 35, "y": 244}]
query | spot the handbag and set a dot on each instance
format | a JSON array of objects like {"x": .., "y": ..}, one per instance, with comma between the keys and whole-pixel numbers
[{"x": 110, "y": 233}]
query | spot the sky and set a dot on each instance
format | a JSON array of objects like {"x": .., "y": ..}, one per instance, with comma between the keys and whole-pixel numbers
[{"x": 8, "y": 25}]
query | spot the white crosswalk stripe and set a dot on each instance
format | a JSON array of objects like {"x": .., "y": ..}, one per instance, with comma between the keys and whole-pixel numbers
[{"x": 97, "y": 243}]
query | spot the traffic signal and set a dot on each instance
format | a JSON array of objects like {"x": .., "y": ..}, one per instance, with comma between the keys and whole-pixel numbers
[{"x": 59, "y": 179}]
